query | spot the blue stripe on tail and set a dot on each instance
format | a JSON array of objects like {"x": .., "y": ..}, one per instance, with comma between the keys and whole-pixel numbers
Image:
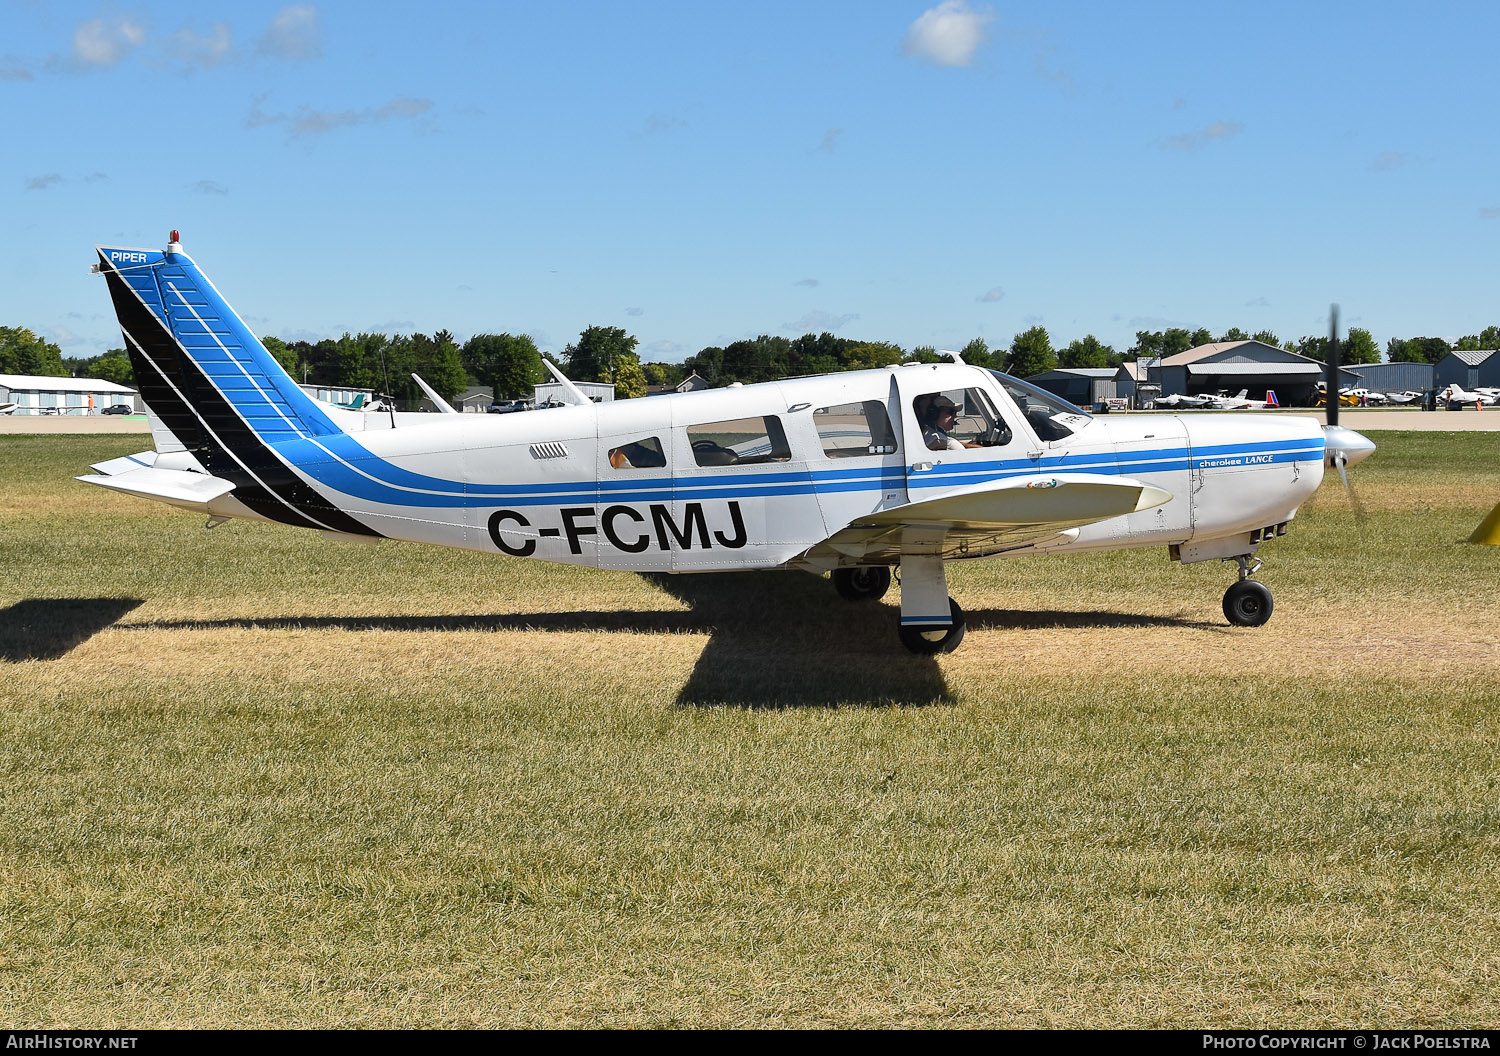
[{"x": 219, "y": 342}]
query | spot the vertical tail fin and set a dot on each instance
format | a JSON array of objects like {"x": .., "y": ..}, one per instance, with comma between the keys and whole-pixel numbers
[{"x": 214, "y": 386}]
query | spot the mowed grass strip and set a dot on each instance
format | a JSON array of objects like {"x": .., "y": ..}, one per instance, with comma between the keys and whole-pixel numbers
[{"x": 291, "y": 782}]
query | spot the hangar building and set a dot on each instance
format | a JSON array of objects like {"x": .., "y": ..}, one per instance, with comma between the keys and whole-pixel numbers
[
  {"x": 1086, "y": 386},
  {"x": 1468, "y": 370},
  {"x": 1230, "y": 366},
  {"x": 1394, "y": 377},
  {"x": 34, "y": 394}
]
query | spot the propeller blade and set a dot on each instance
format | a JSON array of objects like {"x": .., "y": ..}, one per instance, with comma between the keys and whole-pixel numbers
[{"x": 1331, "y": 385}]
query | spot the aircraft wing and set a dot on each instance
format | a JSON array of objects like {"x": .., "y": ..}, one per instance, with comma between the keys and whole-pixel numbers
[{"x": 993, "y": 516}]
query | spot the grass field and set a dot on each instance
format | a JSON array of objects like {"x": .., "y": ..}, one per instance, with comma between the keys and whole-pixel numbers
[{"x": 252, "y": 777}]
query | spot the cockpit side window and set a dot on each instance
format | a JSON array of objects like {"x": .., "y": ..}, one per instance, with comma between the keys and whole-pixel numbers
[
  {"x": 742, "y": 441},
  {"x": 638, "y": 454},
  {"x": 1053, "y": 417},
  {"x": 850, "y": 430},
  {"x": 958, "y": 419}
]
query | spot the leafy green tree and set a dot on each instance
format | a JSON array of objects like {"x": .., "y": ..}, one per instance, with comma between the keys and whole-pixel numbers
[
  {"x": 873, "y": 354},
  {"x": 1201, "y": 336},
  {"x": 1234, "y": 333},
  {"x": 283, "y": 354},
  {"x": 1481, "y": 342},
  {"x": 1086, "y": 352},
  {"x": 1265, "y": 337},
  {"x": 925, "y": 354},
  {"x": 1177, "y": 340},
  {"x": 1314, "y": 347},
  {"x": 509, "y": 364},
  {"x": 1359, "y": 347},
  {"x": 1416, "y": 349},
  {"x": 598, "y": 352},
  {"x": 763, "y": 358},
  {"x": 978, "y": 353},
  {"x": 663, "y": 373},
  {"x": 630, "y": 379},
  {"x": 1030, "y": 353},
  {"x": 113, "y": 366},
  {"x": 23, "y": 352},
  {"x": 706, "y": 364}
]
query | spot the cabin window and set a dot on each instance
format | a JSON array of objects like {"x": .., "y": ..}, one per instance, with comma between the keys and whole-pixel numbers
[
  {"x": 743, "y": 441},
  {"x": 849, "y": 430},
  {"x": 638, "y": 454},
  {"x": 959, "y": 418}
]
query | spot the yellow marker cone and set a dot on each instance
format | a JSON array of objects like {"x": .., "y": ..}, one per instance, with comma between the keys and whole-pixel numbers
[{"x": 1488, "y": 532}]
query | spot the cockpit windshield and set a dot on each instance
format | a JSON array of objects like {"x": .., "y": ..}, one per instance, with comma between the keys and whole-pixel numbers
[{"x": 1053, "y": 417}]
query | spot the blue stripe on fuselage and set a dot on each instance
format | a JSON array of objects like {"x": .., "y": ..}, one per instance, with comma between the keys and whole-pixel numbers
[{"x": 374, "y": 479}]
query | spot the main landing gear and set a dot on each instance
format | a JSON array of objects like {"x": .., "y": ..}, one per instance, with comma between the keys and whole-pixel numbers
[
  {"x": 1248, "y": 602},
  {"x": 931, "y": 621}
]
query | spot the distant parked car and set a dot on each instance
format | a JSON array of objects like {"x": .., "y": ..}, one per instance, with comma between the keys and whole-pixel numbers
[
  {"x": 117, "y": 408},
  {"x": 508, "y": 406}
]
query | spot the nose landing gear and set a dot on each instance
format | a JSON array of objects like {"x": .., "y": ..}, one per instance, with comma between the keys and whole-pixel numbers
[{"x": 1248, "y": 602}]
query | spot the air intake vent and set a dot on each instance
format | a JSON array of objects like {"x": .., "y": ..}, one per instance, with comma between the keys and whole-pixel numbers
[{"x": 549, "y": 450}]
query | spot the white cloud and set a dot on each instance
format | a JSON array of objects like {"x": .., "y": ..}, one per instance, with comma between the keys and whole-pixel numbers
[
  {"x": 830, "y": 140},
  {"x": 817, "y": 322},
  {"x": 292, "y": 34},
  {"x": 203, "y": 51},
  {"x": 805, "y": 282},
  {"x": 1207, "y": 134},
  {"x": 948, "y": 34},
  {"x": 41, "y": 183},
  {"x": 209, "y": 187},
  {"x": 104, "y": 42},
  {"x": 1489, "y": 213},
  {"x": 310, "y": 122},
  {"x": 1388, "y": 160},
  {"x": 635, "y": 312},
  {"x": 990, "y": 296}
]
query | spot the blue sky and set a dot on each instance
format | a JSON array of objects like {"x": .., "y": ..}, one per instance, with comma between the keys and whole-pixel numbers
[{"x": 916, "y": 172}]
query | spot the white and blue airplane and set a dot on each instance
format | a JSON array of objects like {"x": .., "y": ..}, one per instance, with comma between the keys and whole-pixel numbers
[{"x": 852, "y": 474}]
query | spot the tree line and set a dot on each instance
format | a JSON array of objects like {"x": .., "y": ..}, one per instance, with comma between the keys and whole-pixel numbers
[{"x": 510, "y": 365}]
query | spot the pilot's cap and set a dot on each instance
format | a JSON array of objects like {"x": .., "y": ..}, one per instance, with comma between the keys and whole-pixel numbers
[{"x": 942, "y": 403}]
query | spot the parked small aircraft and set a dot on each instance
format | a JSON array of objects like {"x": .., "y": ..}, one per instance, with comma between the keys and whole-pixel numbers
[
  {"x": 847, "y": 473},
  {"x": 1456, "y": 394},
  {"x": 1240, "y": 403},
  {"x": 1182, "y": 400}
]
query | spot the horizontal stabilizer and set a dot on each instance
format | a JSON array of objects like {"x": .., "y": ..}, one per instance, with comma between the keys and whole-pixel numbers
[
  {"x": 178, "y": 487},
  {"x": 125, "y": 463}
]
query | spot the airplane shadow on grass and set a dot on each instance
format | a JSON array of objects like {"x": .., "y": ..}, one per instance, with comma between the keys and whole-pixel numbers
[
  {"x": 776, "y": 639},
  {"x": 51, "y": 628}
]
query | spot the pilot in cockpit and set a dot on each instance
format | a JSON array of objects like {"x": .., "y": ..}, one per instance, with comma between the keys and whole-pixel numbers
[{"x": 938, "y": 418}]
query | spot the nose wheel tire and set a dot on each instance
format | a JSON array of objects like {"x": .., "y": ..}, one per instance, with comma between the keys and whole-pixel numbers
[
  {"x": 862, "y": 583},
  {"x": 929, "y": 641},
  {"x": 1248, "y": 603}
]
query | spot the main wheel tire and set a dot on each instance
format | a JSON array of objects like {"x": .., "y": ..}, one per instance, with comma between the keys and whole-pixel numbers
[
  {"x": 862, "y": 583},
  {"x": 929, "y": 641},
  {"x": 1248, "y": 603}
]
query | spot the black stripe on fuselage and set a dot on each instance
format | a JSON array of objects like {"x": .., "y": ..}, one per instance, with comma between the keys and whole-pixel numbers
[{"x": 208, "y": 426}]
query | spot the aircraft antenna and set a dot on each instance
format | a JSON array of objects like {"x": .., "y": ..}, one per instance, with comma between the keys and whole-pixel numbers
[{"x": 390, "y": 399}]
